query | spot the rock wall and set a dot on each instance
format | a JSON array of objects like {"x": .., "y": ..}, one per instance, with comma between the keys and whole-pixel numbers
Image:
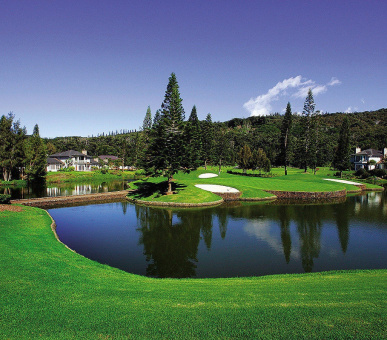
[
  {"x": 65, "y": 200},
  {"x": 302, "y": 195}
]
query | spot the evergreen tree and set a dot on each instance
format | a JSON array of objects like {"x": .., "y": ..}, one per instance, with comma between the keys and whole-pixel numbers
[
  {"x": 167, "y": 154},
  {"x": 307, "y": 113},
  {"x": 244, "y": 158},
  {"x": 11, "y": 145},
  {"x": 286, "y": 138},
  {"x": 143, "y": 139},
  {"x": 222, "y": 147},
  {"x": 341, "y": 161},
  {"x": 260, "y": 161},
  {"x": 193, "y": 139},
  {"x": 147, "y": 123},
  {"x": 36, "y": 156},
  {"x": 207, "y": 140}
]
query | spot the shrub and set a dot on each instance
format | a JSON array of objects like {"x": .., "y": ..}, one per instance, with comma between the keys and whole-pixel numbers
[
  {"x": 140, "y": 172},
  {"x": 379, "y": 173},
  {"x": 69, "y": 169},
  {"x": 362, "y": 173},
  {"x": 5, "y": 199}
]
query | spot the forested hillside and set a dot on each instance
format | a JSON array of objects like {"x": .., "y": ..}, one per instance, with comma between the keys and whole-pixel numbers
[{"x": 367, "y": 130}]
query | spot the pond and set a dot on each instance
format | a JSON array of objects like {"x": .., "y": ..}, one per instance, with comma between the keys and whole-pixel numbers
[
  {"x": 64, "y": 189},
  {"x": 240, "y": 239}
]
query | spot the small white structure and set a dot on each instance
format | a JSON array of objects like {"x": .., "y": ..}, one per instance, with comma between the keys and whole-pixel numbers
[{"x": 362, "y": 159}]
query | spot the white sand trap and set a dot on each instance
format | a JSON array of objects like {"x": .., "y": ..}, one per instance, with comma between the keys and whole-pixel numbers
[
  {"x": 341, "y": 181},
  {"x": 216, "y": 188},
  {"x": 209, "y": 175}
]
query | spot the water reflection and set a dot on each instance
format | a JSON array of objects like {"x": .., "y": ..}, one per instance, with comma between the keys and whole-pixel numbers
[
  {"x": 239, "y": 239},
  {"x": 35, "y": 190}
]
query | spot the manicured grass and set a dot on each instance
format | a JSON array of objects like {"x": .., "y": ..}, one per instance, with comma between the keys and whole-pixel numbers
[
  {"x": 47, "y": 291},
  {"x": 82, "y": 176},
  {"x": 151, "y": 189}
]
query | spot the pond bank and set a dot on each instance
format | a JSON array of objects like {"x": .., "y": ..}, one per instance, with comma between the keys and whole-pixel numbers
[
  {"x": 64, "y": 200},
  {"x": 340, "y": 304}
]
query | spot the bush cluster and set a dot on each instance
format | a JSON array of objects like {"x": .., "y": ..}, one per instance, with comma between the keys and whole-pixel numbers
[
  {"x": 5, "y": 199},
  {"x": 363, "y": 173}
]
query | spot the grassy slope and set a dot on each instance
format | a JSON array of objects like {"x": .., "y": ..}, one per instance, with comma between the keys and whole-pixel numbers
[
  {"x": 47, "y": 291},
  {"x": 251, "y": 187}
]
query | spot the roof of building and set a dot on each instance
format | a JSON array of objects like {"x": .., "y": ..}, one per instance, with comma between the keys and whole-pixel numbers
[
  {"x": 108, "y": 157},
  {"x": 68, "y": 153},
  {"x": 370, "y": 152},
  {"x": 51, "y": 160}
]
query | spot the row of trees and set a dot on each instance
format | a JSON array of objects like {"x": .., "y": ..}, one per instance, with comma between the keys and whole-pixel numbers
[
  {"x": 19, "y": 153},
  {"x": 219, "y": 143},
  {"x": 172, "y": 144}
]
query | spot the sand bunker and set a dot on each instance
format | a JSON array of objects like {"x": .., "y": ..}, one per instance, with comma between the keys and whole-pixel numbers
[
  {"x": 216, "y": 188},
  {"x": 209, "y": 175},
  {"x": 341, "y": 181}
]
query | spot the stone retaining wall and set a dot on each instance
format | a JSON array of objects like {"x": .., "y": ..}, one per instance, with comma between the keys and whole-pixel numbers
[
  {"x": 229, "y": 196},
  {"x": 64, "y": 200},
  {"x": 302, "y": 195}
]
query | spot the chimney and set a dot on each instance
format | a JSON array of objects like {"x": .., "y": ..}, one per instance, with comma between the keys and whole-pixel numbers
[
  {"x": 357, "y": 150},
  {"x": 84, "y": 152}
]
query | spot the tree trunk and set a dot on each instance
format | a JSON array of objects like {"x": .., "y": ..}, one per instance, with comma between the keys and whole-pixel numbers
[
  {"x": 286, "y": 170},
  {"x": 205, "y": 165},
  {"x": 169, "y": 192},
  {"x": 220, "y": 165}
]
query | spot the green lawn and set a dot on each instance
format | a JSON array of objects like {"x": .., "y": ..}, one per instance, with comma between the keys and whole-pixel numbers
[
  {"x": 47, "y": 291},
  {"x": 151, "y": 189}
]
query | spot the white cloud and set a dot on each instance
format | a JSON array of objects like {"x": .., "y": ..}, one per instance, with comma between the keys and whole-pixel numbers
[
  {"x": 349, "y": 110},
  {"x": 262, "y": 105},
  {"x": 334, "y": 81},
  {"x": 362, "y": 100}
]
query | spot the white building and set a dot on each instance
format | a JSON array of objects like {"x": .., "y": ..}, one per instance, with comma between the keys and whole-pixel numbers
[
  {"x": 364, "y": 159},
  {"x": 79, "y": 160}
]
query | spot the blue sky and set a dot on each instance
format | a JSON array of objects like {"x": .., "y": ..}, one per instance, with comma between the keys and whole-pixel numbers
[{"x": 87, "y": 67}]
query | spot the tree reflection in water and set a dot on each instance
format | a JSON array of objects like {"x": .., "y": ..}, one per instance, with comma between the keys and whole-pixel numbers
[
  {"x": 171, "y": 238},
  {"x": 170, "y": 246}
]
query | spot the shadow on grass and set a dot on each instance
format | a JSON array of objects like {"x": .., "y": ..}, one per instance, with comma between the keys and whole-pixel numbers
[{"x": 146, "y": 189}]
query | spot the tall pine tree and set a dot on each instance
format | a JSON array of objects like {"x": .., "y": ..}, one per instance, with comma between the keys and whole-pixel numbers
[
  {"x": 207, "y": 140},
  {"x": 167, "y": 152},
  {"x": 286, "y": 138},
  {"x": 193, "y": 139},
  {"x": 36, "y": 156},
  {"x": 307, "y": 113}
]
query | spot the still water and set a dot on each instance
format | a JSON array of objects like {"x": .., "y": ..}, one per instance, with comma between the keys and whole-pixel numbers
[
  {"x": 64, "y": 189},
  {"x": 240, "y": 239}
]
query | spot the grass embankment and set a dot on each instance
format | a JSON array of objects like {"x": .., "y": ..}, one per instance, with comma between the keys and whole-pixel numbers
[
  {"x": 47, "y": 291},
  {"x": 152, "y": 189},
  {"x": 86, "y": 176}
]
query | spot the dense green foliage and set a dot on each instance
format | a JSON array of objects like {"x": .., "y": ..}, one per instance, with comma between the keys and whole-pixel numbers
[
  {"x": 47, "y": 291},
  {"x": 342, "y": 157},
  {"x": 12, "y": 137},
  {"x": 35, "y": 156},
  {"x": 367, "y": 130},
  {"x": 5, "y": 199}
]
